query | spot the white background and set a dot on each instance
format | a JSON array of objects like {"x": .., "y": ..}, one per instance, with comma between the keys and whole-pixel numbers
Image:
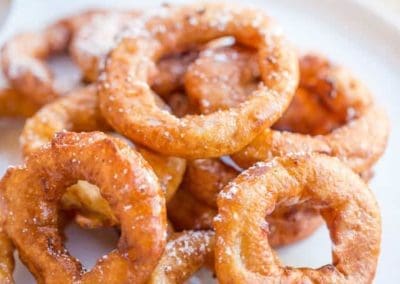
[{"x": 350, "y": 34}]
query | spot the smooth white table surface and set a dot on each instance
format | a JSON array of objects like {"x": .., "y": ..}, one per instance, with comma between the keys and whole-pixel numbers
[{"x": 357, "y": 37}]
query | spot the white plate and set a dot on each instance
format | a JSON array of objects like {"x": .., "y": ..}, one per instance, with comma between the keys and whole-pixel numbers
[{"x": 349, "y": 33}]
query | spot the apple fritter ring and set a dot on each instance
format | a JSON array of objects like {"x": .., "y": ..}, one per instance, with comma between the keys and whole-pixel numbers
[
  {"x": 32, "y": 193},
  {"x": 24, "y": 57},
  {"x": 243, "y": 253},
  {"x": 126, "y": 99},
  {"x": 330, "y": 103},
  {"x": 79, "y": 112},
  {"x": 287, "y": 225},
  {"x": 205, "y": 178},
  {"x": 76, "y": 112},
  {"x": 14, "y": 104},
  {"x": 93, "y": 41},
  {"x": 359, "y": 143},
  {"x": 327, "y": 97},
  {"x": 330, "y": 92}
]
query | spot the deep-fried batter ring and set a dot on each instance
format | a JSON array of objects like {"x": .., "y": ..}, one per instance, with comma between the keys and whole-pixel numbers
[
  {"x": 223, "y": 76},
  {"x": 127, "y": 103},
  {"x": 91, "y": 44},
  {"x": 205, "y": 178},
  {"x": 88, "y": 36},
  {"x": 287, "y": 225},
  {"x": 344, "y": 142},
  {"x": 243, "y": 254},
  {"x": 76, "y": 112},
  {"x": 79, "y": 112},
  {"x": 32, "y": 193},
  {"x": 22, "y": 62},
  {"x": 96, "y": 38},
  {"x": 23, "y": 57},
  {"x": 307, "y": 114},
  {"x": 13, "y": 104},
  {"x": 185, "y": 253},
  {"x": 361, "y": 127},
  {"x": 330, "y": 92}
]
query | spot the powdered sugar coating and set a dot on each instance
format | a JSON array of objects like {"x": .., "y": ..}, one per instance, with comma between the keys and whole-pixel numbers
[{"x": 184, "y": 254}]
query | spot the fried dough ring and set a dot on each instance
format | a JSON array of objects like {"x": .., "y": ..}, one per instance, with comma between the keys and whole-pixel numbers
[
  {"x": 205, "y": 178},
  {"x": 223, "y": 76},
  {"x": 185, "y": 253},
  {"x": 79, "y": 112},
  {"x": 91, "y": 44},
  {"x": 287, "y": 225},
  {"x": 96, "y": 38},
  {"x": 23, "y": 57},
  {"x": 13, "y": 104},
  {"x": 357, "y": 128},
  {"x": 76, "y": 112},
  {"x": 37, "y": 79},
  {"x": 330, "y": 92},
  {"x": 32, "y": 193},
  {"x": 308, "y": 115},
  {"x": 125, "y": 96},
  {"x": 243, "y": 254},
  {"x": 80, "y": 34},
  {"x": 345, "y": 142}
]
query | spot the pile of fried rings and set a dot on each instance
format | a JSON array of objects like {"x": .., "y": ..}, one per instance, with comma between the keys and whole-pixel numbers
[{"x": 202, "y": 135}]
